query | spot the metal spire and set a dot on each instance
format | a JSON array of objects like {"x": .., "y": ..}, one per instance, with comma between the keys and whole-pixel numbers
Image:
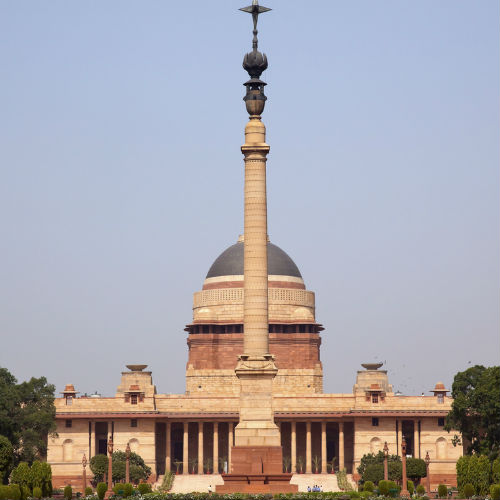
[{"x": 255, "y": 9}]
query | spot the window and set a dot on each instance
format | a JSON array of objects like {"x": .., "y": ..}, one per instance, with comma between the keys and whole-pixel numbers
[
  {"x": 375, "y": 421},
  {"x": 374, "y": 398},
  {"x": 69, "y": 423},
  {"x": 440, "y": 397},
  {"x": 69, "y": 400},
  {"x": 133, "y": 399},
  {"x": 133, "y": 422},
  {"x": 441, "y": 422}
]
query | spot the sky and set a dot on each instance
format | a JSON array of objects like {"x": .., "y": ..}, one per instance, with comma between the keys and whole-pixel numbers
[{"x": 122, "y": 180}]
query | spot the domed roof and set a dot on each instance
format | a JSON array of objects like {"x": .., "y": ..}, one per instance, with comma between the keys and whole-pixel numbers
[{"x": 230, "y": 262}]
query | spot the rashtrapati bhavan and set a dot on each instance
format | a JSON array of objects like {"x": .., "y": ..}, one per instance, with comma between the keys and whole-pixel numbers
[{"x": 254, "y": 415}]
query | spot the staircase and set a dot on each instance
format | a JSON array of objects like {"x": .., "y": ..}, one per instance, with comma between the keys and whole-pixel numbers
[{"x": 188, "y": 483}]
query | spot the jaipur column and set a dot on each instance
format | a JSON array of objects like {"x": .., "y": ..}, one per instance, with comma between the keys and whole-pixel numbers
[
  {"x": 293, "y": 447},
  {"x": 341, "y": 446},
  {"x": 168, "y": 446},
  {"x": 200, "y": 447},
  {"x": 323, "y": 448},
  {"x": 215, "y": 459},
  {"x": 185, "y": 449},
  {"x": 308, "y": 448}
]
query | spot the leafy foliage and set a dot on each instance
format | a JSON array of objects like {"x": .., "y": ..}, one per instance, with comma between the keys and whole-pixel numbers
[
  {"x": 27, "y": 414},
  {"x": 495, "y": 471},
  {"x": 410, "y": 486},
  {"x": 442, "y": 491},
  {"x": 495, "y": 492},
  {"x": 88, "y": 491},
  {"x": 383, "y": 487},
  {"x": 420, "y": 489},
  {"x": 21, "y": 475},
  {"x": 37, "y": 492},
  {"x": 415, "y": 468},
  {"x": 475, "y": 411},
  {"x": 68, "y": 492},
  {"x": 144, "y": 488},
  {"x": 6, "y": 458},
  {"x": 371, "y": 467},
  {"x": 342, "y": 481},
  {"x": 468, "y": 490},
  {"x": 368, "y": 486},
  {"x": 167, "y": 483},
  {"x": 101, "y": 490},
  {"x": 99, "y": 466},
  {"x": 474, "y": 470}
]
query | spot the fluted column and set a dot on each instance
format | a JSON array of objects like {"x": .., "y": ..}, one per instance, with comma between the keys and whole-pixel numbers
[
  {"x": 185, "y": 449},
  {"x": 293, "y": 446},
  {"x": 308, "y": 448},
  {"x": 323, "y": 448},
  {"x": 168, "y": 446},
  {"x": 200, "y": 447},
  {"x": 215, "y": 468},
  {"x": 341, "y": 446},
  {"x": 416, "y": 444}
]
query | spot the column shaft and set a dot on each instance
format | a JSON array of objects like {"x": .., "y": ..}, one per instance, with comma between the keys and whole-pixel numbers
[
  {"x": 200, "y": 447},
  {"x": 168, "y": 446},
  {"x": 416, "y": 444},
  {"x": 293, "y": 447},
  {"x": 323, "y": 448},
  {"x": 229, "y": 445},
  {"x": 341, "y": 446},
  {"x": 185, "y": 449},
  {"x": 215, "y": 459},
  {"x": 308, "y": 448},
  {"x": 399, "y": 437}
]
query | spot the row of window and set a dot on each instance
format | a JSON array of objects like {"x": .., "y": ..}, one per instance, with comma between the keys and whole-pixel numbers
[
  {"x": 440, "y": 421},
  {"x": 69, "y": 423}
]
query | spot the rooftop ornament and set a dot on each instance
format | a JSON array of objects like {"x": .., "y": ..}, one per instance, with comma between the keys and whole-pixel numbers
[{"x": 255, "y": 63}]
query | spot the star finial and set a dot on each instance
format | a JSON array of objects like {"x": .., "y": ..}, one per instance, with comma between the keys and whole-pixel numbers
[{"x": 255, "y": 9}]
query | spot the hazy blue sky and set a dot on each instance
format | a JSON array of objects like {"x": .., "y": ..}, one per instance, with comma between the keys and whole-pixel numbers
[{"x": 122, "y": 179}]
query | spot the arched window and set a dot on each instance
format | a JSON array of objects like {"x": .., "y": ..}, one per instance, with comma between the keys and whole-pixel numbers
[
  {"x": 441, "y": 446},
  {"x": 134, "y": 445},
  {"x": 67, "y": 450},
  {"x": 375, "y": 445}
]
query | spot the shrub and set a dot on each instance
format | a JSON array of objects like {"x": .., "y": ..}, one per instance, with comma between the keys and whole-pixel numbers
[
  {"x": 15, "y": 492},
  {"x": 128, "y": 490},
  {"x": 468, "y": 490},
  {"x": 144, "y": 488},
  {"x": 420, "y": 489},
  {"x": 88, "y": 491},
  {"x": 168, "y": 481},
  {"x": 383, "y": 487},
  {"x": 415, "y": 468},
  {"x": 495, "y": 471},
  {"x": 495, "y": 492},
  {"x": 99, "y": 466},
  {"x": 101, "y": 490},
  {"x": 410, "y": 486},
  {"x": 368, "y": 486},
  {"x": 4, "y": 492},
  {"x": 68, "y": 492},
  {"x": 37, "y": 492},
  {"x": 6, "y": 458},
  {"x": 25, "y": 492},
  {"x": 442, "y": 491},
  {"x": 21, "y": 475}
]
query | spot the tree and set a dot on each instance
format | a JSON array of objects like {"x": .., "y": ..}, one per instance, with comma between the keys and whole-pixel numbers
[
  {"x": 99, "y": 466},
  {"x": 6, "y": 459},
  {"x": 415, "y": 469},
  {"x": 475, "y": 411},
  {"x": 371, "y": 467},
  {"x": 27, "y": 415}
]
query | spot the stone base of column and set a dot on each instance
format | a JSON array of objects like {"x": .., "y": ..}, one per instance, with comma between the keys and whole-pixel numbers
[{"x": 257, "y": 469}]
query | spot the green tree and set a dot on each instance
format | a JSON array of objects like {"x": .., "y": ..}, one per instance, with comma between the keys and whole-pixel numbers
[
  {"x": 475, "y": 410},
  {"x": 21, "y": 475},
  {"x": 6, "y": 459},
  {"x": 99, "y": 466},
  {"x": 415, "y": 469},
  {"x": 27, "y": 415}
]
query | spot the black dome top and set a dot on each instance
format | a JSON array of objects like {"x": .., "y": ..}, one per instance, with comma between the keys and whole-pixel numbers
[{"x": 230, "y": 262}]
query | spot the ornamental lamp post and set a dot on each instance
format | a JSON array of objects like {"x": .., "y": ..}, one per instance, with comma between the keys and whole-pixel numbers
[
  {"x": 428, "y": 477},
  {"x": 127, "y": 463},
  {"x": 84, "y": 472},
  {"x": 110, "y": 467},
  {"x": 386, "y": 467},
  {"x": 404, "y": 488}
]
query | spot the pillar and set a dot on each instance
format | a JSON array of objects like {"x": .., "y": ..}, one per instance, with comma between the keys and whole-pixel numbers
[
  {"x": 293, "y": 447},
  {"x": 168, "y": 446},
  {"x": 341, "y": 446},
  {"x": 308, "y": 448},
  {"x": 230, "y": 442},
  {"x": 215, "y": 467},
  {"x": 399, "y": 436},
  {"x": 324, "y": 468},
  {"x": 200, "y": 447},
  {"x": 416, "y": 442},
  {"x": 185, "y": 449},
  {"x": 92, "y": 440}
]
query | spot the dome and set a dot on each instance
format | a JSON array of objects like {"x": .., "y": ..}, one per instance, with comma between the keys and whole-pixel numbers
[{"x": 230, "y": 262}]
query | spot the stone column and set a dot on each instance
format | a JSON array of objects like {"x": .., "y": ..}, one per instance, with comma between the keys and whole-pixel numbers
[
  {"x": 416, "y": 444},
  {"x": 200, "y": 447},
  {"x": 92, "y": 440},
  {"x": 399, "y": 436},
  {"x": 324, "y": 468},
  {"x": 308, "y": 448},
  {"x": 293, "y": 447},
  {"x": 185, "y": 449},
  {"x": 215, "y": 468},
  {"x": 230, "y": 442},
  {"x": 168, "y": 446},
  {"x": 341, "y": 446}
]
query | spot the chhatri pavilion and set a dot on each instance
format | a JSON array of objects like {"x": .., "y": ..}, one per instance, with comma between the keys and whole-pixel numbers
[{"x": 254, "y": 400}]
